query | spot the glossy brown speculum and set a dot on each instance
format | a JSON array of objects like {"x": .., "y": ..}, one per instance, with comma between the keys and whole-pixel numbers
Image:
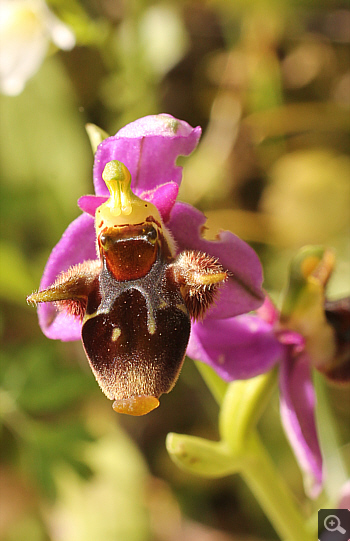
[{"x": 130, "y": 250}]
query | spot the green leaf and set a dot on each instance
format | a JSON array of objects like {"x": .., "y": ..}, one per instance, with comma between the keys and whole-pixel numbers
[{"x": 200, "y": 456}]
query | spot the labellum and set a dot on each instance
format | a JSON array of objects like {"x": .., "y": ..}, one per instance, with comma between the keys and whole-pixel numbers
[{"x": 136, "y": 300}]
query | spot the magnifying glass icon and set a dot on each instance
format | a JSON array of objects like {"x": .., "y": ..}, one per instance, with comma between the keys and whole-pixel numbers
[{"x": 332, "y": 524}]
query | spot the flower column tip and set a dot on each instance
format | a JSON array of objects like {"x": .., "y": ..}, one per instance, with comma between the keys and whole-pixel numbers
[{"x": 123, "y": 207}]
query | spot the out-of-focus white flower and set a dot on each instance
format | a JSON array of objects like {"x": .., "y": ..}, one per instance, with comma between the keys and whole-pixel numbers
[
  {"x": 163, "y": 37},
  {"x": 26, "y": 29}
]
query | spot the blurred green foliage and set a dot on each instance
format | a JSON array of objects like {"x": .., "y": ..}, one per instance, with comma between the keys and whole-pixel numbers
[{"x": 269, "y": 82}]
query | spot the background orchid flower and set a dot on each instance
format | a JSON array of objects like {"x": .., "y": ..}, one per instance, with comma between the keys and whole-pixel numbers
[
  {"x": 148, "y": 149},
  {"x": 298, "y": 338},
  {"x": 26, "y": 29}
]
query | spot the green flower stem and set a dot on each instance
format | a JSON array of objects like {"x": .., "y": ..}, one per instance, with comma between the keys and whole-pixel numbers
[
  {"x": 216, "y": 385},
  {"x": 272, "y": 493},
  {"x": 241, "y": 407},
  {"x": 334, "y": 460}
]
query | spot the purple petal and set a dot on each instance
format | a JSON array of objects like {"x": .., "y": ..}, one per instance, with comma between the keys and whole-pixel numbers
[
  {"x": 268, "y": 311},
  {"x": 292, "y": 338},
  {"x": 149, "y": 148},
  {"x": 242, "y": 292},
  {"x": 163, "y": 197},
  {"x": 298, "y": 417},
  {"x": 237, "y": 348},
  {"x": 89, "y": 203},
  {"x": 77, "y": 244}
]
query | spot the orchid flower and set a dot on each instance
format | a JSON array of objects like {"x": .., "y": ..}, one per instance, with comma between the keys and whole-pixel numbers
[
  {"x": 302, "y": 336},
  {"x": 26, "y": 29},
  {"x": 130, "y": 272}
]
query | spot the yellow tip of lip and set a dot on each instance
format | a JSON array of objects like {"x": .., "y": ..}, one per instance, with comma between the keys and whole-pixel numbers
[{"x": 136, "y": 405}]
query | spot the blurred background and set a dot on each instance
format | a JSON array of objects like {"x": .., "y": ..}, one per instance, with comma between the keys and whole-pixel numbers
[{"x": 269, "y": 82}]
